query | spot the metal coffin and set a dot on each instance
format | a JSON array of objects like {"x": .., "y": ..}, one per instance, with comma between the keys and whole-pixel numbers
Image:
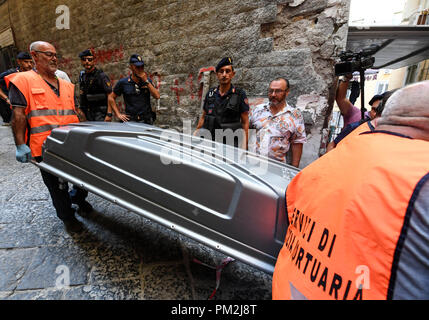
[{"x": 223, "y": 197}]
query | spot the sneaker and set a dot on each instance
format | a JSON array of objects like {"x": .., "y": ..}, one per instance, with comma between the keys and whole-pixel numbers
[
  {"x": 85, "y": 209},
  {"x": 73, "y": 225}
]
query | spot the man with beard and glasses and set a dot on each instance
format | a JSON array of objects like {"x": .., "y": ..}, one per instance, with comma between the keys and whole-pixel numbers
[
  {"x": 279, "y": 127},
  {"x": 41, "y": 102}
]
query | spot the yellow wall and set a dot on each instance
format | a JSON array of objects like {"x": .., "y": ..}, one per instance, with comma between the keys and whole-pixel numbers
[{"x": 397, "y": 78}]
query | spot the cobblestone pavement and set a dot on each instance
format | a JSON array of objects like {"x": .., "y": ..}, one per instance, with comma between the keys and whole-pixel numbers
[{"x": 119, "y": 256}]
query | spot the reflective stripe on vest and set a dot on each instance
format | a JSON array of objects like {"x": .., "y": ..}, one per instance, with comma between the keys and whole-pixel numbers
[
  {"x": 45, "y": 110},
  {"x": 46, "y": 128},
  {"x": 50, "y": 112},
  {"x": 348, "y": 214}
]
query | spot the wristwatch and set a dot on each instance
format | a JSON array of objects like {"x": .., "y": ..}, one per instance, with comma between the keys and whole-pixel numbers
[{"x": 109, "y": 114}]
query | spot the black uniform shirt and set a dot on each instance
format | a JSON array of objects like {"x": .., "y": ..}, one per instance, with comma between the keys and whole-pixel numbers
[
  {"x": 3, "y": 86},
  {"x": 95, "y": 82},
  {"x": 243, "y": 105},
  {"x": 136, "y": 97}
]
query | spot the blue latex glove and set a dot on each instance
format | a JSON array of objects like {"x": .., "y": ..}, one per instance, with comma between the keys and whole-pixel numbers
[{"x": 23, "y": 153}]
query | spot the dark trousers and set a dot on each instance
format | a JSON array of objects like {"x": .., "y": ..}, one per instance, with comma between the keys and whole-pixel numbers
[
  {"x": 145, "y": 118},
  {"x": 95, "y": 113},
  {"x": 5, "y": 111},
  {"x": 61, "y": 198}
]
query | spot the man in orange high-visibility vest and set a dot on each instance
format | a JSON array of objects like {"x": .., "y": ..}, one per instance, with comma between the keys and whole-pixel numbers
[
  {"x": 42, "y": 102},
  {"x": 359, "y": 215}
]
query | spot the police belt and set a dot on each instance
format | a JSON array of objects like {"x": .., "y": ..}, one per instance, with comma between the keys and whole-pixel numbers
[
  {"x": 96, "y": 97},
  {"x": 145, "y": 117}
]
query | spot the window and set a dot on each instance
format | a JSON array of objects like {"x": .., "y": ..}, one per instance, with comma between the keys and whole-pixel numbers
[
  {"x": 411, "y": 75},
  {"x": 381, "y": 87}
]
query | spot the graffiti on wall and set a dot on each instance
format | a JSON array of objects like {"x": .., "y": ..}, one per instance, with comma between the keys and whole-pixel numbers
[
  {"x": 192, "y": 87},
  {"x": 109, "y": 55}
]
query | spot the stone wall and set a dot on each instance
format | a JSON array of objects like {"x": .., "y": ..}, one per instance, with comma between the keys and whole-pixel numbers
[
  {"x": 181, "y": 40},
  {"x": 4, "y": 14}
]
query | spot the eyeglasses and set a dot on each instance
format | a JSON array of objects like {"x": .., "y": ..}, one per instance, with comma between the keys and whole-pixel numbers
[
  {"x": 48, "y": 54},
  {"x": 275, "y": 91},
  {"x": 88, "y": 59}
]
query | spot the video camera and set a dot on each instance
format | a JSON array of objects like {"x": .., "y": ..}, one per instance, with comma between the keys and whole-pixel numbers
[
  {"x": 352, "y": 62},
  {"x": 361, "y": 61}
]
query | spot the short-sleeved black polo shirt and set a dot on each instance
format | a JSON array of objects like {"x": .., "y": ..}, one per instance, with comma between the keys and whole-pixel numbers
[{"x": 136, "y": 97}]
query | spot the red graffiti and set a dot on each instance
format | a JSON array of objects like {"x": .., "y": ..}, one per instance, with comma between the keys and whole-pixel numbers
[
  {"x": 177, "y": 90},
  {"x": 202, "y": 70},
  {"x": 190, "y": 83},
  {"x": 109, "y": 55},
  {"x": 66, "y": 65},
  {"x": 66, "y": 61}
]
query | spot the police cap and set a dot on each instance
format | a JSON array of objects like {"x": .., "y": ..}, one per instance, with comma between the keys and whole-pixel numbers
[
  {"x": 23, "y": 56},
  {"x": 137, "y": 60},
  {"x": 86, "y": 53},
  {"x": 227, "y": 61}
]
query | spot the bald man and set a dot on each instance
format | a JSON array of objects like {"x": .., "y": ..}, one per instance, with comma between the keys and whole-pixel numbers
[
  {"x": 359, "y": 216},
  {"x": 41, "y": 102}
]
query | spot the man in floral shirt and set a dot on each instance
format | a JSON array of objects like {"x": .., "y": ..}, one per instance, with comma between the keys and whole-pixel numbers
[{"x": 279, "y": 127}]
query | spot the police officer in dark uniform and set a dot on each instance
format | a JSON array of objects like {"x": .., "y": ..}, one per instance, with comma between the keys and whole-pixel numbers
[
  {"x": 136, "y": 90},
  {"x": 25, "y": 63},
  {"x": 225, "y": 107},
  {"x": 95, "y": 87}
]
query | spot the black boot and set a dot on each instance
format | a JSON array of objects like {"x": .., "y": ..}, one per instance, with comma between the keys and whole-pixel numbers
[
  {"x": 73, "y": 225},
  {"x": 84, "y": 209}
]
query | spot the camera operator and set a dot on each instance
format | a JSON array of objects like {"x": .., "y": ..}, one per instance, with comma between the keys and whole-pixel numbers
[
  {"x": 350, "y": 63},
  {"x": 350, "y": 112},
  {"x": 377, "y": 106}
]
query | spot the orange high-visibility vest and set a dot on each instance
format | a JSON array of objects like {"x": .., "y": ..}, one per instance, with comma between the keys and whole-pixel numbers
[
  {"x": 9, "y": 77},
  {"x": 7, "y": 80},
  {"x": 347, "y": 212},
  {"x": 45, "y": 110}
]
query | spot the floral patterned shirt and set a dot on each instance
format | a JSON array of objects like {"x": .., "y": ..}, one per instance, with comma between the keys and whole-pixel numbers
[{"x": 275, "y": 133}]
